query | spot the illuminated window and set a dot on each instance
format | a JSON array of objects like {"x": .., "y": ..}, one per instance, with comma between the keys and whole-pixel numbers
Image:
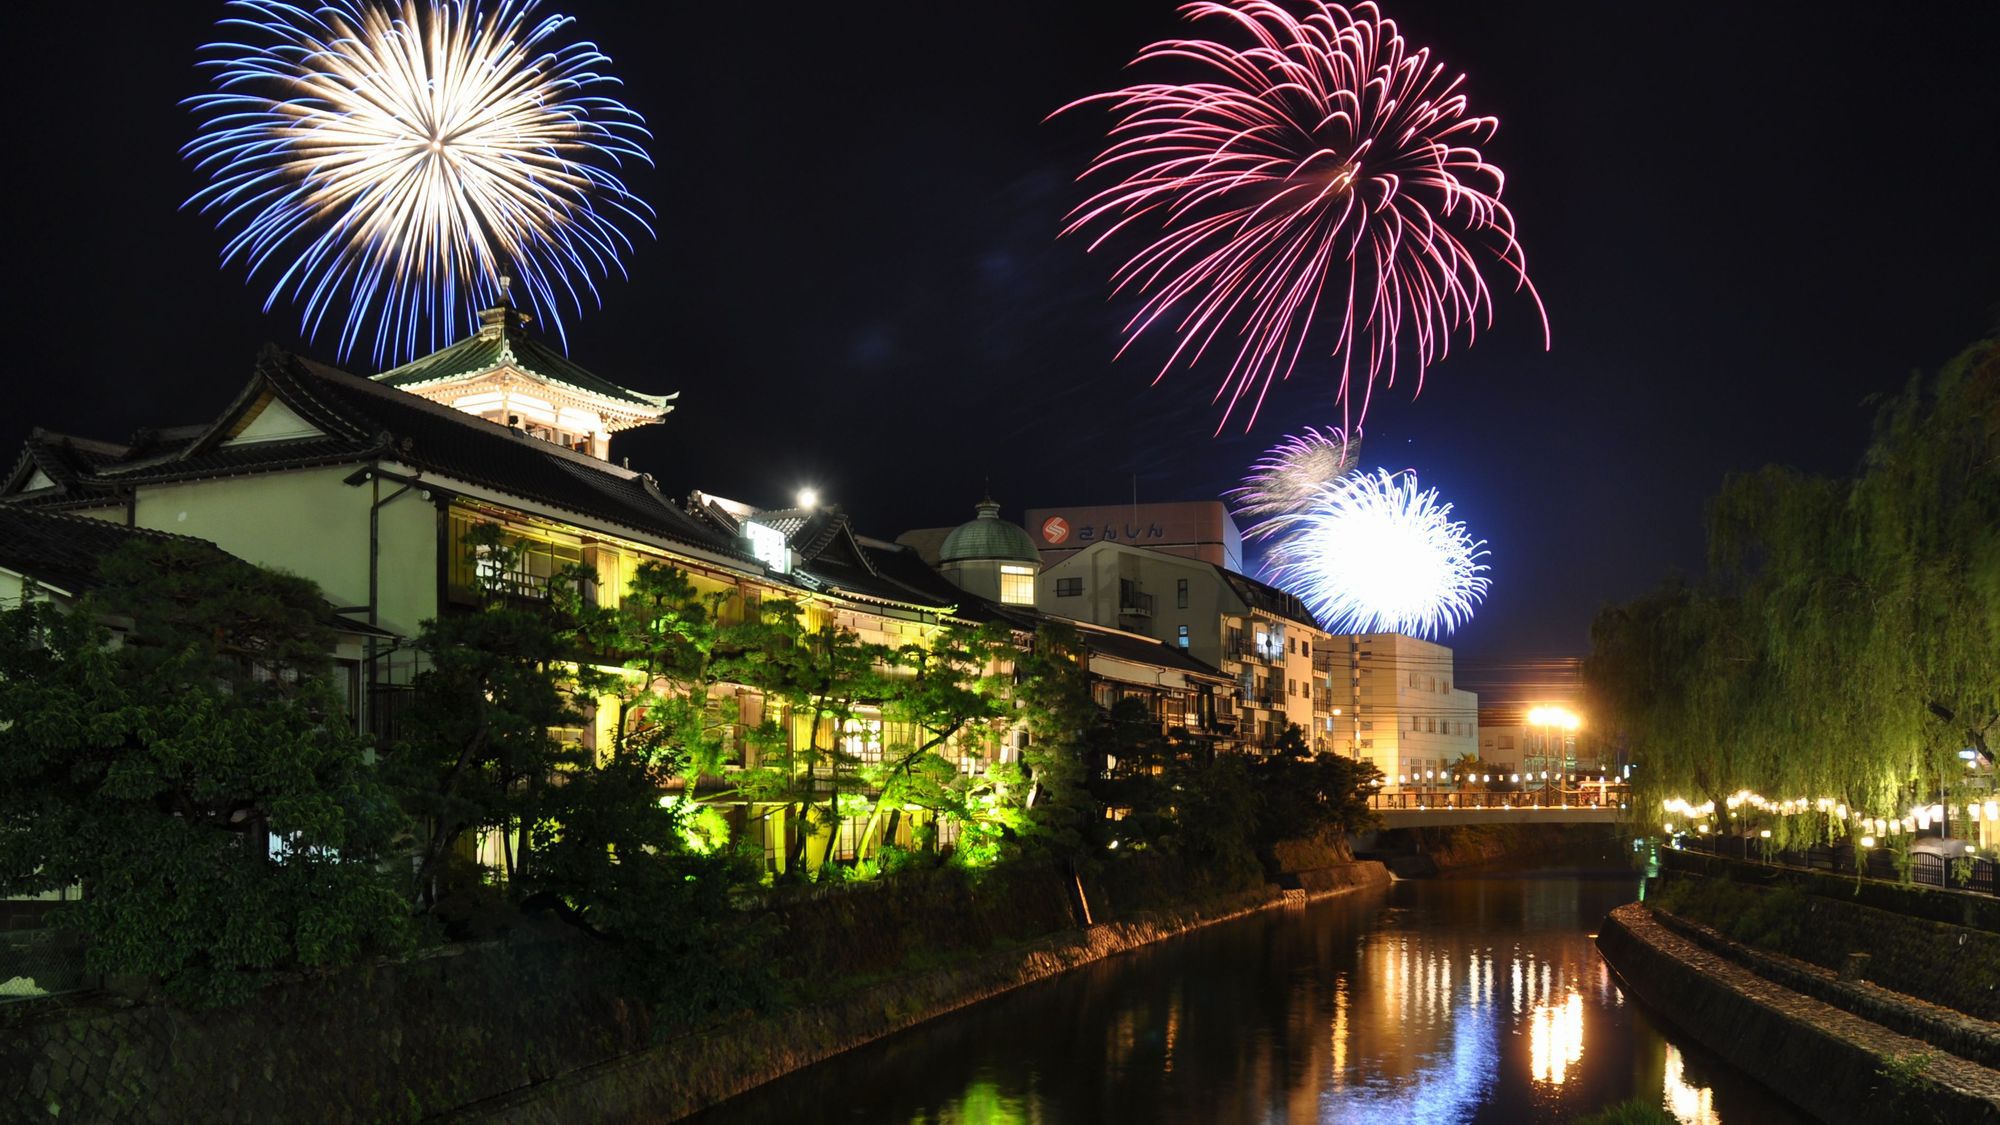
[
  {"x": 1017, "y": 585},
  {"x": 1184, "y": 636},
  {"x": 862, "y": 739},
  {"x": 767, "y": 545}
]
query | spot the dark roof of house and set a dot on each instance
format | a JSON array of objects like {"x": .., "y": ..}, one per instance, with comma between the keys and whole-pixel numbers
[
  {"x": 70, "y": 463},
  {"x": 1270, "y": 599},
  {"x": 504, "y": 339},
  {"x": 361, "y": 420},
  {"x": 64, "y": 550},
  {"x": 1144, "y": 650}
]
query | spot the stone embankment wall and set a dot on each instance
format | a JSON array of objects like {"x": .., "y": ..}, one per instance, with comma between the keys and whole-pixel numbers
[
  {"x": 533, "y": 1029},
  {"x": 1832, "y": 1062},
  {"x": 1956, "y": 966},
  {"x": 393, "y": 1043}
]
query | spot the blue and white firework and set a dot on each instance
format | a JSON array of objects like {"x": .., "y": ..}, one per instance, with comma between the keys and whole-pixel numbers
[
  {"x": 386, "y": 165},
  {"x": 1375, "y": 553}
]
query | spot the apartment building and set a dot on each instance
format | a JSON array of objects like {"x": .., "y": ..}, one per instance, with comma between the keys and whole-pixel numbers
[
  {"x": 1391, "y": 699},
  {"x": 1259, "y": 637}
]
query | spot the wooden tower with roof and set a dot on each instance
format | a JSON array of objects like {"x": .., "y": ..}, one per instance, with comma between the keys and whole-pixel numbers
[{"x": 506, "y": 375}]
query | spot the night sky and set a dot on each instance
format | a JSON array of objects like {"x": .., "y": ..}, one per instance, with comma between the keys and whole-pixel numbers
[{"x": 1745, "y": 220}]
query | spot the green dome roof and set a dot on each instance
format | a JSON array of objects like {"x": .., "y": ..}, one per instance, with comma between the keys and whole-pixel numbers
[{"x": 988, "y": 537}]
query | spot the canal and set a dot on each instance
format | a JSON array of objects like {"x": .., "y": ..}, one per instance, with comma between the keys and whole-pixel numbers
[{"x": 1469, "y": 999}]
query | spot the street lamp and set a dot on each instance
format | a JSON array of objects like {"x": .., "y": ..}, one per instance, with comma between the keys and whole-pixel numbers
[{"x": 1546, "y": 719}]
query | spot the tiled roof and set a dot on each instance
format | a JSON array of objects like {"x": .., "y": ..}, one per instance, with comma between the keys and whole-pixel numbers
[
  {"x": 502, "y": 340},
  {"x": 62, "y": 550},
  {"x": 70, "y": 463},
  {"x": 363, "y": 420},
  {"x": 1270, "y": 599},
  {"x": 1144, "y": 650}
]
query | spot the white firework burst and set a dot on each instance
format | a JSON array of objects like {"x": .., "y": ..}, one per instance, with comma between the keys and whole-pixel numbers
[
  {"x": 1376, "y": 553},
  {"x": 400, "y": 158},
  {"x": 1290, "y": 474}
]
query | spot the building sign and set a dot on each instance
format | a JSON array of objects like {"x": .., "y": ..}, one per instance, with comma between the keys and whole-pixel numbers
[
  {"x": 1198, "y": 529},
  {"x": 1117, "y": 532}
]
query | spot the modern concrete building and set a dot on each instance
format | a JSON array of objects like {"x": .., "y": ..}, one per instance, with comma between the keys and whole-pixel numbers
[
  {"x": 1397, "y": 706},
  {"x": 1260, "y": 637},
  {"x": 1532, "y": 748}
]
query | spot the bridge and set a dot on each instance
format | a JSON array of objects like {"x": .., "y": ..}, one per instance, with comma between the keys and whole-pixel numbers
[{"x": 1583, "y": 803}]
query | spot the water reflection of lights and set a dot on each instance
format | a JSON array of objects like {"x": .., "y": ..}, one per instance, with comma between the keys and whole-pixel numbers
[
  {"x": 1555, "y": 1039},
  {"x": 1339, "y": 1032},
  {"x": 1691, "y": 1104}
]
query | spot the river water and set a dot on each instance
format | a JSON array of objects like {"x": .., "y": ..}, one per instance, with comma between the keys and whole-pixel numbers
[{"x": 1469, "y": 999}]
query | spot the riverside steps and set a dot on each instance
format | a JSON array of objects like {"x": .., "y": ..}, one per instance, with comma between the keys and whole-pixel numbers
[{"x": 1851, "y": 1011}]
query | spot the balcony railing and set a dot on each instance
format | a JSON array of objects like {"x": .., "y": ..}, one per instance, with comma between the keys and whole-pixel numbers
[{"x": 1135, "y": 603}]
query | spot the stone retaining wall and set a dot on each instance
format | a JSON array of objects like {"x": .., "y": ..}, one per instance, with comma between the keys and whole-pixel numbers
[
  {"x": 682, "y": 1076},
  {"x": 531, "y": 1029},
  {"x": 1824, "y": 1059},
  {"x": 1947, "y": 964},
  {"x": 1944, "y": 1028}
]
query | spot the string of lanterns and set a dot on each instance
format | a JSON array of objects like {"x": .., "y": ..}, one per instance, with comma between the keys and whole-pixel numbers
[{"x": 1868, "y": 827}]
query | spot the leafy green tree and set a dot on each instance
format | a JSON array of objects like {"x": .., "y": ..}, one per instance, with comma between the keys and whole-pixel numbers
[
  {"x": 593, "y": 834},
  {"x": 948, "y": 701},
  {"x": 479, "y": 748},
  {"x": 1052, "y": 691},
  {"x": 196, "y": 774},
  {"x": 819, "y": 674},
  {"x": 1843, "y": 644},
  {"x": 1319, "y": 797}
]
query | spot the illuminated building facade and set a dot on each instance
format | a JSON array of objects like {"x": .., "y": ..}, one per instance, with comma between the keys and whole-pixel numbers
[
  {"x": 370, "y": 487},
  {"x": 1398, "y": 704},
  {"x": 1257, "y": 636}
]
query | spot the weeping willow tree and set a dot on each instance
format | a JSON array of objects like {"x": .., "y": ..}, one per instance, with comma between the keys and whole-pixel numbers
[{"x": 1845, "y": 645}]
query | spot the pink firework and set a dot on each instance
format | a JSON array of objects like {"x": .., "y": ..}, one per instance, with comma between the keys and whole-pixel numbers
[{"x": 1321, "y": 164}]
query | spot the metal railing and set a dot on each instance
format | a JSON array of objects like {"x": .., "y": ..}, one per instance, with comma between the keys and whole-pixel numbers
[
  {"x": 1929, "y": 869},
  {"x": 1582, "y": 797},
  {"x": 41, "y": 962},
  {"x": 1135, "y": 603}
]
